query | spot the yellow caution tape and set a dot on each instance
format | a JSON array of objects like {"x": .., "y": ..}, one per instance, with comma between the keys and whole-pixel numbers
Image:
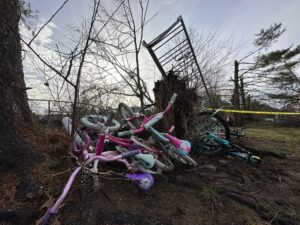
[{"x": 256, "y": 112}]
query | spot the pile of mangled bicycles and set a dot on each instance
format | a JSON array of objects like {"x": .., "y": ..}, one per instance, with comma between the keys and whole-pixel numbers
[{"x": 142, "y": 159}]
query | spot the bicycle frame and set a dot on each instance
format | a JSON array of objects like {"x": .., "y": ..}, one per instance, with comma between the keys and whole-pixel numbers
[
  {"x": 182, "y": 147},
  {"x": 144, "y": 161},
  {"x": 234, "y": 150}
]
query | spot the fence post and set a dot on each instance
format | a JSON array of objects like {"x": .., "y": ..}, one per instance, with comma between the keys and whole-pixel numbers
[{"x": 49, "y": 110}]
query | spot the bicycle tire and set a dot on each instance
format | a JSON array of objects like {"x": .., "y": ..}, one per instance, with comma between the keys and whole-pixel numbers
[
  {"x": 209, "y": 123},
  {"x": 189, "y": 161},
  {"x": 185, "y": 159},
  {"x": 164, "y": 163},
  {"x": 123, "y": 108},
  {"x": 208, "y": 147},
  {"x": 220, "y": 123}
]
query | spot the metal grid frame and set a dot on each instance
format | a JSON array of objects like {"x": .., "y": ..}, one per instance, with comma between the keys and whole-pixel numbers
[{"x": 169, "y": 52}]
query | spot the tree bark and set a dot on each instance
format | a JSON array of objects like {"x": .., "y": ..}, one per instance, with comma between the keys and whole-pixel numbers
[
  {"x": 15, "y": 152},
  {"x": 13, "y": 96},
  {"x": 236, "y": 93},
  {"x": 183, "y": 110}
]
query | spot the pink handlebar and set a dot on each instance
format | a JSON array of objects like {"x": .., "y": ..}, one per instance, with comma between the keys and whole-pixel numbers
[
  {"x": 160, "y": 115},
  {"x": 59, "y": 201}
]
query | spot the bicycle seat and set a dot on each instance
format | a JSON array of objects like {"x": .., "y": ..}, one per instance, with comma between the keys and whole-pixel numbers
[
  {"x": 182, "y": 146},
  {"x": 146, "y": 160},
  {"x": 143, "y": 180}
]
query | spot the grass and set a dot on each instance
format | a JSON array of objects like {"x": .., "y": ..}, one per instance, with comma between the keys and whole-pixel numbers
[
  {"x": 278, "y": 139},
  {"x": 209, "y": 194}
]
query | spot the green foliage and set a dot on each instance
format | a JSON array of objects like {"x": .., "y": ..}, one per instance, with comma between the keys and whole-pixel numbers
[
  {"x": 292, "y": 53},
  {"x": 283, "y": 96},
  {"x": 209, "y": 194},
  {"x": 271, "y": 58},
  {"x": 268, "y": 36},
  {"x": 280, "y": 68}
]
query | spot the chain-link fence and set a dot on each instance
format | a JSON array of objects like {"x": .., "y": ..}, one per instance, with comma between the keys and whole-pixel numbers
[{"x": 46, "y": 110}]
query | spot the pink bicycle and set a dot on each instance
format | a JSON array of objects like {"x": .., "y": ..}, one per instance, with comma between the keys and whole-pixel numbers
[
  {"x": 174, "y": 147},
  {"x": 150, "y": 159},
  {"x": 144, "y": 181}
]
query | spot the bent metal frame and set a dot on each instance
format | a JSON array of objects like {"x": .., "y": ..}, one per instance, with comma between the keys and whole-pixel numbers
[{"x": 172, "y": 50}]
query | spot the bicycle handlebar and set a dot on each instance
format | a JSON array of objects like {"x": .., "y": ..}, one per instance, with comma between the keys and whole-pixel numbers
[
  {"x": 48, "y": 218},
  {"x": 130, "y": 153},
  {"x": 160, "y": 115},
  {"x": 125, "y": 133},
  {"x": 173, "y": 98},
  {"x": 154, "y": 120}
]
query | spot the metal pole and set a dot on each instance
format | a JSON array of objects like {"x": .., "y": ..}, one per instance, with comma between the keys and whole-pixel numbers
[
  {"x": 201, "y": 75},
  {"x": 49, "y": 110}
]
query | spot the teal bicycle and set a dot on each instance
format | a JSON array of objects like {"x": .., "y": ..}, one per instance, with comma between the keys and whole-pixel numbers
[{"x": 212, "y": 137}]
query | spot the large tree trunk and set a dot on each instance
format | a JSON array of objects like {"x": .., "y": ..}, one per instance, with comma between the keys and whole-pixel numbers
[
  {"x": 15, "y": 152},
  {"x": 13, "y": 97},
  {"x": 183, "y": 106}
]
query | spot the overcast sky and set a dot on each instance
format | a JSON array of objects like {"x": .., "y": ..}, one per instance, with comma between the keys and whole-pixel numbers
[
  {"x": 238, "y": 18},
  {"x": 243, "y": 18}
]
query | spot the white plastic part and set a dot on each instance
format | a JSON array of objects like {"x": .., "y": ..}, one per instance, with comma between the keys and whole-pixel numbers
[
  {"x": 95, "y": 177},
  {"x": 67, "y": 123},
  {"x": 99, "y": 125}
]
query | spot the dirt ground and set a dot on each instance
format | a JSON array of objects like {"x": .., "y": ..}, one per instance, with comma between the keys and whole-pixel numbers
[{"x": 221, "y": 190}]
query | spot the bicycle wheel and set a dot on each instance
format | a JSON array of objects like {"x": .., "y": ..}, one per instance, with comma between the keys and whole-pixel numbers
[
  {"x": 207, "y": 146},
  {"x": 189, "y": 161},
  {"x": 170, "y": 150},
  {"x": 164, "y": 163},
  {"x": 127, "y": 113},
  {"x": 161, "y": 160},
  {"x": 207, "y": 122}
]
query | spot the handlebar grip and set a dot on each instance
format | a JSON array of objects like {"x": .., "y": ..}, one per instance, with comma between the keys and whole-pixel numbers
[
  {"x": 173, "y": 99},
  {"x": 125, "y": 133},
  {"x": 48, "y": 218},
  {"x": 130, "y": 153}
]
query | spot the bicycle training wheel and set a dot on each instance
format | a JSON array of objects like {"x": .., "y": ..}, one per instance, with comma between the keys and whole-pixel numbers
[{"x": 127, "y": 113}]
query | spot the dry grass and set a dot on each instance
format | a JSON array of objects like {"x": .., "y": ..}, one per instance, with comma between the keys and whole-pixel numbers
[
  {"x": 278, "y": 139},
  {"x": 8, "y": 184}
]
